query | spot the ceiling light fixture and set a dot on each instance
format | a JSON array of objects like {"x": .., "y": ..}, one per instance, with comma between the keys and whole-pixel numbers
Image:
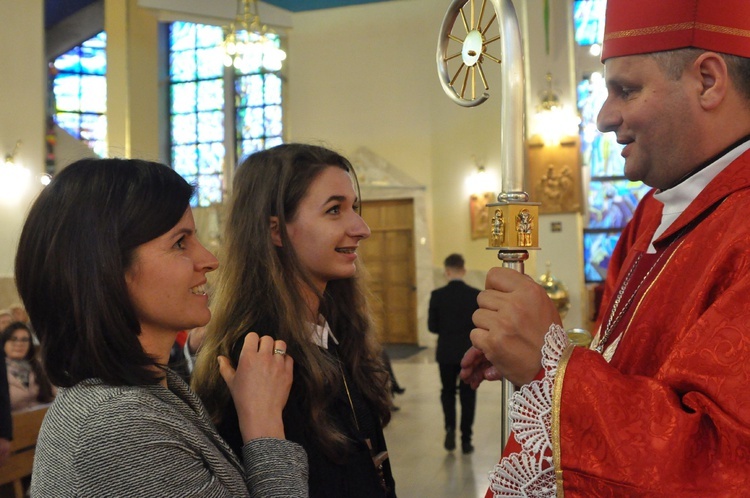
[{"x": 248, "y": 43}]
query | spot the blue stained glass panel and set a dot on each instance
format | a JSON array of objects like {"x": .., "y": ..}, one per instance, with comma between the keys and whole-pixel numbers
[
  {"x": 98, "y": 42},
  {"x": 94, "y": 94},
  {"x": 210, "y": 95},
  {"x": 211, "y": 158},
  {"x": 252, "y": 146},
  {"x": 69, "y": 61},
  {"x": 80, "y": 87},
  {"x": 182, "y": 66},
  {"x": 184, "y": 129},
  {"x": 211, "y": 63},
  {"x": 588, "y": 21},
  {"x": 185, "y": 160},
  {"x": 210, "y": 189},
  {"x": 94, "y": 62},
  {"x": 274, "y": 141},
  {"x": 273, "y": 120},
  {"x": 93, "y": 127},
  {"x": 70, "y": 122},
  {"x": 602, "y": 153},
  {"x": 599, "y": 151},
  {"x": 250, "y": 90},
  {"x": 273, "y": 89},
  {"x": 197, "y": 90},
  {"x": 597, "y": 253},
  {"x": 209, "y": 36},
  {"x": 210, "y": 126},
  {"x": 182, "y": 36},
  {"x": 613, "y": 202},
  {"x": 252, "y": 125},
  {"x": 67, "y": 89},
  {"x": 184, "y": 98}
]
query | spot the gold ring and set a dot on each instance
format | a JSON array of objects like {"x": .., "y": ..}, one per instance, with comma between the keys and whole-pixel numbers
[{"x": 279, "y": 351}]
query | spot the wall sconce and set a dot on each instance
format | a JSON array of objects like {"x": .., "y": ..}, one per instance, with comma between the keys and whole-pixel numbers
[
  {"x": 552, "y": 121},
  {"x": 10, "y": 159},
  {"x": 480, "y": 180},
  {"x": 14, "y": 178}
]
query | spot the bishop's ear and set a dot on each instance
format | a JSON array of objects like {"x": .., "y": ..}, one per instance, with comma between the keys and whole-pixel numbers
[
  {"x": 275, "y": 231},
  {"x": 714, "y": 76}
]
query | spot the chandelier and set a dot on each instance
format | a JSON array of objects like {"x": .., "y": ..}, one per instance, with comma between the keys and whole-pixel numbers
[{"x": 248, "y": 43}]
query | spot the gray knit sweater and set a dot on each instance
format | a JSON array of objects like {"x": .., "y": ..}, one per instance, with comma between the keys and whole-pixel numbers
[{"x": 149, "y": 441}]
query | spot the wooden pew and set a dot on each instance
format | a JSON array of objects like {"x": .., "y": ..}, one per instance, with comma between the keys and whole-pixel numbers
[{"x": 26, "y": 426}]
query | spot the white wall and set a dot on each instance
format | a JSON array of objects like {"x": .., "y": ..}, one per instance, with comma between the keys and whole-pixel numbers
[{"x": 22, "y": 90}]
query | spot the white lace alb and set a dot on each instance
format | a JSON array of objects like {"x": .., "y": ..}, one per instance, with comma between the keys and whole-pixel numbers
[{"x": 531, "y": 472}]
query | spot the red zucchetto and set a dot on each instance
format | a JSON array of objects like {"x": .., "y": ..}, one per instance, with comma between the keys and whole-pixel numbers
[{"x": 644, "y": 26}]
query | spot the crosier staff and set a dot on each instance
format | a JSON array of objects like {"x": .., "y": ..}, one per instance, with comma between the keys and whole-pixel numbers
[{"x": 513, "y": 228}]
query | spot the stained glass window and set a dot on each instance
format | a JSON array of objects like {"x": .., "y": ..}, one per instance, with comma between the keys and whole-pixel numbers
[
  {"x": 588, "y": 21},
  {"x": 201, "y": 120},
  {"x": 80, "y": 91}
]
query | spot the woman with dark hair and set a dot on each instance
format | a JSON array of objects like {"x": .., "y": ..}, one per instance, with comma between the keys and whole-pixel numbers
[
  {"x": 27, "y": 382},
  {"x": 290, "y": 272},
  {"x": 110, "y": 269}
]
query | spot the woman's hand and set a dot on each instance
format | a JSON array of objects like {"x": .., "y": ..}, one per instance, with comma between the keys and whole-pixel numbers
[{"x": 260, "y": 386}]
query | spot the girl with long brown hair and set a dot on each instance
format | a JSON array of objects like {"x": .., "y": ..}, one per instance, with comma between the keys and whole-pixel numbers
[{"x": 290, "y": 271}]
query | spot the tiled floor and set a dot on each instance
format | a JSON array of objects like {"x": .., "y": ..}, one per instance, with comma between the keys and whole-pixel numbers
[{"x": 422, "y": 467}]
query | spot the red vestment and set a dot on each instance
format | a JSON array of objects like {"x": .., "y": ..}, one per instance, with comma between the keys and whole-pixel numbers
[{"x": 669, "y": 415}]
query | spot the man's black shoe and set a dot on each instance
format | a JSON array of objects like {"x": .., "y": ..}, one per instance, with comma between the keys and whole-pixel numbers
[{"x": 450, "y": 440}]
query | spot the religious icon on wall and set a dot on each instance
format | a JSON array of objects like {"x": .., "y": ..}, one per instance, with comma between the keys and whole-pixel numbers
[
  {"x": 555, "y": 178},
  {"x": 480, "y": 223}
]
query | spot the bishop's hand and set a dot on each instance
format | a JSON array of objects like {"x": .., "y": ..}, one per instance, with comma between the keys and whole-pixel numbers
[{"x": 514, "y": 315}]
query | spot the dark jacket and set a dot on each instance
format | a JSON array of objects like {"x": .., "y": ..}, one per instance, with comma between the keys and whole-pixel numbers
[
  {"x": 355, "y": 474},
  {"x": 451, "y": 309},
  {"x": 6, "y": 421}
]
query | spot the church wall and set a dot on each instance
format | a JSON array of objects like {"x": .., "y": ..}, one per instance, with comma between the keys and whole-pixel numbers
[{"x": 22, "y": 101}]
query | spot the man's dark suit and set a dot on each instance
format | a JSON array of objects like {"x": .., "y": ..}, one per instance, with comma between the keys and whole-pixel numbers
[{"x": 451, "y": 308}]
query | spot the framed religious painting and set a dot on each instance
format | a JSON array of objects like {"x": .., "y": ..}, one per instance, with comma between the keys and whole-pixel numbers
[
  {"x": 554, "y": 177},
  {"x": 480, "y": 223}
]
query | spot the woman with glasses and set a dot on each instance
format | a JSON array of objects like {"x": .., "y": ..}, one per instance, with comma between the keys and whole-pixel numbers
[{"x": 27, "y": 382}]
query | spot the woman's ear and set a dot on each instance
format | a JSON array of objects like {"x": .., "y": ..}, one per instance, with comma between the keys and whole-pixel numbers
[{"x": 275, "y": 231}]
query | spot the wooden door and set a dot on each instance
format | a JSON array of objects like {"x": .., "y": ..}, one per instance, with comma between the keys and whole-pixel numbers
[{"x": 388, "y": 258}]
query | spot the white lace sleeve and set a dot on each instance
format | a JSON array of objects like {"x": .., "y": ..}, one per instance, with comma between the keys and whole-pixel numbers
[{"x": 531, "y": 472}]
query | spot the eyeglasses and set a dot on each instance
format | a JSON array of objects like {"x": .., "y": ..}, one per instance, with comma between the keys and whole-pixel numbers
[{"x": 19, "y": 339}]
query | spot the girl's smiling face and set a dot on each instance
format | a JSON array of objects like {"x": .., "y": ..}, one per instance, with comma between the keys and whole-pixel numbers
[{"x": 326, "y": 229}]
